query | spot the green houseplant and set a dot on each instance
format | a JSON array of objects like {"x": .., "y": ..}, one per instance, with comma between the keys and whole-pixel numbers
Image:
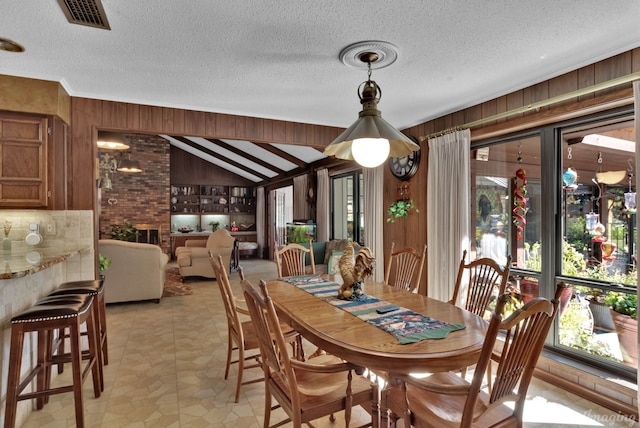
[
  {"x": 624, "y": 312},
  {"x": 400, "y": 209},
  {"x": 103, "y": 262},
  {"x": 623, "y": 303},
  {"x": 214, "y": 225}
]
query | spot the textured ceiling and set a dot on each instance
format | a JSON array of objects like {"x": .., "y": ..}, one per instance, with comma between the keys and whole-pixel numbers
[{"x": 279, "y": 59}]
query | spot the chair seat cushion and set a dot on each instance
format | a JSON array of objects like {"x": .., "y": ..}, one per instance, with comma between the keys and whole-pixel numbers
[{"x": 440, "y": 410}]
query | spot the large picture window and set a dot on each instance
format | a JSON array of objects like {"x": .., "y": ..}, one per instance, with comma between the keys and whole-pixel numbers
[{"x": 561, "y": 202}]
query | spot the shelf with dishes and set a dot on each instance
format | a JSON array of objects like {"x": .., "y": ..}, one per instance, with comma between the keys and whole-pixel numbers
[{"x": 209, "y": 199}]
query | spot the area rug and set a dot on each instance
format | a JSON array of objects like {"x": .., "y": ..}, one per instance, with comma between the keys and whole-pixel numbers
[{"x": 173, "y": 285}]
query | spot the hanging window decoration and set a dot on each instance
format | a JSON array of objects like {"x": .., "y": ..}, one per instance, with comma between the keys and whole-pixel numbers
[
  {"x": 630, "y": 196},
  {"x": 570, "y": 176},
  {"x": 519, "y": 198}
]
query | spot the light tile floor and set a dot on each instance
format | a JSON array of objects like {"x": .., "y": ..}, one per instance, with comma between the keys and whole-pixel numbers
[{"x": 166, "y": 369}]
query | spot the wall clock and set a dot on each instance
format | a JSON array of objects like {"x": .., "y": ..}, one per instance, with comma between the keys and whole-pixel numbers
[{"x": 405, "y": 167}]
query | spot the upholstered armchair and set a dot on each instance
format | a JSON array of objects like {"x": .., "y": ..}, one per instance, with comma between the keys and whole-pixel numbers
[{"x": 193, "y": 258}]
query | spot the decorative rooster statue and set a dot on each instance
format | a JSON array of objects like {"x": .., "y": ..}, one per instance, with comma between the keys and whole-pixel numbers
[{"x": 354, "y": 271}]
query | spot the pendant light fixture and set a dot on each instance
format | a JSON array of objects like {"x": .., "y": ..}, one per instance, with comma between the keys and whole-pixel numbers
[
  {"x": 129, "y": 165},
  {"x": 371, "y": 139},
  {"x": 111, "y": 141}
]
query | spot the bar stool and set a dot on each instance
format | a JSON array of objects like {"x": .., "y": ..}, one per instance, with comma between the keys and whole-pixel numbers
[
  {"x": 96, "y": 289},
  {"x": 58, "y": 341},
  {"x": 44, "y": 318}
]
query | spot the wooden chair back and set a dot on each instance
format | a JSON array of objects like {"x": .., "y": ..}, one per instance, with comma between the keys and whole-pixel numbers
[
  {"x": 305, "y": 391},
  {"x": 407, "y": 265},
  {"x": 445, "y": 399},
  {"x": 230, "y": 307},
  {"x": 290, "y": 260},
  {"x": 240, "y": 334},
  {"x": 484, "y": 278}
]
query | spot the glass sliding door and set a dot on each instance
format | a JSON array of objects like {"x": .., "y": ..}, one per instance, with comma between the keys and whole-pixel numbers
[{"x": 347, "y": 215}]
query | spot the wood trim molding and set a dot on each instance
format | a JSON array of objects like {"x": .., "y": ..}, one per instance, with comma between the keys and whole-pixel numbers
[{"x": 581, "y": 108}]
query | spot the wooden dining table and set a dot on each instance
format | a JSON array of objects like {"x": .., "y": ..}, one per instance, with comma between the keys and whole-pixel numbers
[{"x": 340, "y": 333}]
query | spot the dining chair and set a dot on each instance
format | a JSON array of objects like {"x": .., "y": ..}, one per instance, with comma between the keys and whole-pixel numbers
[
  {"x": 407, "y": 265},
  {"x": 241, "y": 334},
  {"x": 309, "y": 390},
  {"x": 292, "y": 336},
  {"x": 447, "y": 400},
  {"x": 290, "y": 260},
  {"x": 485, "y": 278}
]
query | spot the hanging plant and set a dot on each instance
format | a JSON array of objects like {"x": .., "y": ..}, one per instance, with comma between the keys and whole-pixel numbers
[{"x": 400, "y": 209}]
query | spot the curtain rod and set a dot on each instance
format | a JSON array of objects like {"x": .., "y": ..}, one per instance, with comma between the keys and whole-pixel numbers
[{"x": 537, "y": 105}]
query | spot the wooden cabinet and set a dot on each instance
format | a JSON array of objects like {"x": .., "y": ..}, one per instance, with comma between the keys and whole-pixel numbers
[
  {"x": 194, "y": 207},
  {"x": 23, "y": 161}
]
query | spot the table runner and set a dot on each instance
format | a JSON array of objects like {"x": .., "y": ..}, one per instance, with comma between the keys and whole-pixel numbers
[{"x": 404, "y": 324}]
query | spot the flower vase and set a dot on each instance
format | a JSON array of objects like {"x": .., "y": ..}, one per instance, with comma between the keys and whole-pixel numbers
[{"x": 6, "y": 244}]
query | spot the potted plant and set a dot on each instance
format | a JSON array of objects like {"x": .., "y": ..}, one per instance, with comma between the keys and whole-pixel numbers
[
  {"x": 103, "y": 264},
  {"x": 400, "y": 209},
  {"x": 624, "y": 311},
  {"x": 214, "y": 225}
]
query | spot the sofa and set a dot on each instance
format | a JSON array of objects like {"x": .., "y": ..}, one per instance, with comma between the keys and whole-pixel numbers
[
  {"x": 326, "y": 254},
  {"x": 137, "y": 271},
  {"x": 193, "y": 258}
]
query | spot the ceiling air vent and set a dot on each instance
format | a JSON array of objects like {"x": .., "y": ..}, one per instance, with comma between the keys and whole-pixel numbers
[{"x": 85, "y": 12}]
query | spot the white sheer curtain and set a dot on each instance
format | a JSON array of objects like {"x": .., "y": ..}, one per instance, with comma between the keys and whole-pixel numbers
[
  {"x": 260, "y": 223},
  {"x": 300, "y": 206},
  {"x": 374, "y": 216},
  {"x": 636, "y": 105},
  {"x": 448, "y": 216},
  {"x": 322, "y": 205}
]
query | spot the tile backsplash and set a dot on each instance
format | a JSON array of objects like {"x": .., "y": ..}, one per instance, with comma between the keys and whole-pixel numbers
[{"x": 69, "y": 228}]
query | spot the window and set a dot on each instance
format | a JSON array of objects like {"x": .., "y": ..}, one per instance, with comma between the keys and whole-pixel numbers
[
  {"x": 347, "y": 216},
  {"x": 577, "y": 224}
]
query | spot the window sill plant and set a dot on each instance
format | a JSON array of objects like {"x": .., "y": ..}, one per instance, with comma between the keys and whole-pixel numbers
[
  {"x": 400, "y": 209},
  {"x": 623, "y": 303}
]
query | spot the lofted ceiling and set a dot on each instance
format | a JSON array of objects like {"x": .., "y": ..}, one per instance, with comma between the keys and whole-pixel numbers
[
  {"x": 280, "y": 59},
  {"x": 255, "y": 162}
]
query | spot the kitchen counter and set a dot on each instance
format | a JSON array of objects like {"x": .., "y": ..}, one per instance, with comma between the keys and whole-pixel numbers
[{"x": 22, "y": 260}]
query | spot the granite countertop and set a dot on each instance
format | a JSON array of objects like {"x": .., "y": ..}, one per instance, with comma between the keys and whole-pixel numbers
[{"x": 22, "y": 260}]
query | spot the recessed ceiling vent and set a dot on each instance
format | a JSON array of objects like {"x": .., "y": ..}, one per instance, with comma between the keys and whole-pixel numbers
[{"x": 85, "y": 12}]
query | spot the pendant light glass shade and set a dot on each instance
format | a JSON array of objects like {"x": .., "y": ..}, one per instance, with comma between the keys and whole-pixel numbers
[{"x": 376, "y": 138}]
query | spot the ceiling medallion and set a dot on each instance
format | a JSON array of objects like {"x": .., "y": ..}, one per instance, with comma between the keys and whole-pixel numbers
[
  {"x": 386, "y": 52},
  {"x": 10, "y": 45}
]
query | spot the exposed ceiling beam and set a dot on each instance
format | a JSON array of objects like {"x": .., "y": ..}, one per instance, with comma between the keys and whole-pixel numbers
[
  {"x": 276, "y": 151},
  {"x": 219, "y": 156},
  {"x": 245, "y": 155}
]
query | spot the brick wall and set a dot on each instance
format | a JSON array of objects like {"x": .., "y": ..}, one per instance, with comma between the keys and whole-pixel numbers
[{"x": 139, "y": 198}]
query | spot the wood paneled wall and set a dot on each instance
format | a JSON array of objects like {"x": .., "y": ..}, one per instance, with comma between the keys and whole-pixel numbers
[
  {"x": 412, "y": 231},
  {"x": 90, "y": 115}
]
